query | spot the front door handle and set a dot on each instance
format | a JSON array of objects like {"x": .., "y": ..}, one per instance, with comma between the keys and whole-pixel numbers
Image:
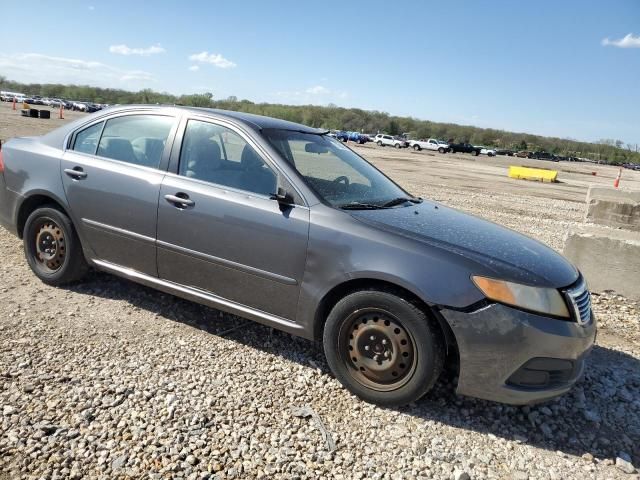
[
  {"x": 180, "y": 200},
  {"x": 76, "y": 173}
]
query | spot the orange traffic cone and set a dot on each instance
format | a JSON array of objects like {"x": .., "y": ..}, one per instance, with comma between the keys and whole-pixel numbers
[
  {"x": 60, "y": 114},
  {"x": 616, "y": 183},
  {"x": 14, "y": 103}
]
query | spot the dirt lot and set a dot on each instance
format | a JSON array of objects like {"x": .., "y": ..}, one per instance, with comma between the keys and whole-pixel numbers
[{"x": 110, "y": 379}]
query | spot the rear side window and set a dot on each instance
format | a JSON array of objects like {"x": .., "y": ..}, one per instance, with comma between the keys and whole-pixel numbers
[
  {"x": 136, "y": 139},
  {"x": 87, "y": 139}
]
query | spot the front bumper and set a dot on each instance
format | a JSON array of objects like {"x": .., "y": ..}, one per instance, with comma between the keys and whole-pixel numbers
[{"x": 515, "y": 357}]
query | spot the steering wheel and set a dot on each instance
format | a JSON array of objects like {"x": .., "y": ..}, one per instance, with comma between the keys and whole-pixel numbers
[{"x": 342, "y": 179}]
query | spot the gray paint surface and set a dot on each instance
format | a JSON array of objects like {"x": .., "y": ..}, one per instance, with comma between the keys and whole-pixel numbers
[{"x": 246, "y": 254}]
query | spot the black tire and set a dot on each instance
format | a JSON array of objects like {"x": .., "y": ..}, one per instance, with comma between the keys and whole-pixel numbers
[
  {"x": 441, "y": 150},
  {"x": 358, "y": 327},
  {"x": 398, "y": 145},
  {"x": 452, "y": 150},
  {"x": 474, "y": 153},
  {"x": 379, "y": 143},
  {"x": 417, "y": 148},
  {"x": 62, "y": 260}
]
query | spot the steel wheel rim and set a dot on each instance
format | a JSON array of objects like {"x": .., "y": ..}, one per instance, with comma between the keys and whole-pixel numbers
[
  {"x": 379, "y": 352},
  {"x": 50, "y": 247}
]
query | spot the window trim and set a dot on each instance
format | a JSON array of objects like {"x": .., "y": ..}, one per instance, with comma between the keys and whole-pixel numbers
[
  {"x": 75, "y": 138},
  {"x": 176, "y": 152},
  {"x": 166, "y": 153}
]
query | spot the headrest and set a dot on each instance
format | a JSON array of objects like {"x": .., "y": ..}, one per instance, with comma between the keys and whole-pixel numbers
[{"x": 117, "y": 148}]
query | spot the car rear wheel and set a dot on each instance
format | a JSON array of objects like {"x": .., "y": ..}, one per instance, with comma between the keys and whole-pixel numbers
[
  {"x": 416, "y": 148},
  {"x": 441, "y": 150},
  {"x": 379, "y": 143},
  {"x": 382, "y": 347},
  {"x": 52, "y": 247},
  {"x": 474, "y": 153},
  {"x": 398, "y": 145}
]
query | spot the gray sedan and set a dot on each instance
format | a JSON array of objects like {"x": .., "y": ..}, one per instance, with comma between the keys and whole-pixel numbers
[{"x": 284, "y": 225}]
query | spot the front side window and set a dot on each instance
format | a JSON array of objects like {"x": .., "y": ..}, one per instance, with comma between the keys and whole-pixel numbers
[
  {"x": 219, "y": 155},
  {"x": 136, "y": 139},
  {"x": 87, "y": 140},
  {"x": 340, "y": 176}
]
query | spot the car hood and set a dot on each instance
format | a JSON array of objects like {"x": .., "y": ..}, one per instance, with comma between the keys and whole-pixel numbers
[{"x": 500, "y": 251}]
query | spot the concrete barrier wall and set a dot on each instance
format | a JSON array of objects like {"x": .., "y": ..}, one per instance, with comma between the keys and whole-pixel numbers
[
  {"x": 608, "y": 258},
  {"x": 613, "y": 207}
]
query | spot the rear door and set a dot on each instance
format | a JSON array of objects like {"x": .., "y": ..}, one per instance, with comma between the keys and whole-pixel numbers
[
  {"x": 218, "y": 229},
  {"x": 111, "y": 175}
]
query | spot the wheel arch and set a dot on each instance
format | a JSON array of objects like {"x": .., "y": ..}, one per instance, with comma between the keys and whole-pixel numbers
[
  {"x": 31, "y": 203},
  {"x": 345, "y": 288}
]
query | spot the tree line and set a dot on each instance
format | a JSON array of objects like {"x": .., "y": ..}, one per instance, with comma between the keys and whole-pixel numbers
[{"x": 333, "y": 117}]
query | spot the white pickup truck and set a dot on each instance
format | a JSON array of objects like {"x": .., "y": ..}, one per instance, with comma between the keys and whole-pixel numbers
[{"x": 431, "y": 144}]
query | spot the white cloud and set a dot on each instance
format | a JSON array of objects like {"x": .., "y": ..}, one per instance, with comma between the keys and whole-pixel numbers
[
  {"x": 145, "y": 52},
  {"x": 91, "y": 7},
  {"x": 317, "y": 94},
  {"x": 194, "y": 68},
  {"x": 628, "y": 41},
  {"x": 38, "y": 68},
  {"x": 318, "y": 90},
  {"x": 212, "y": 58}
]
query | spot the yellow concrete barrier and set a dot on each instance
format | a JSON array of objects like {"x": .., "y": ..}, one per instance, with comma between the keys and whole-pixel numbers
[{"x": 537, "y": 174}]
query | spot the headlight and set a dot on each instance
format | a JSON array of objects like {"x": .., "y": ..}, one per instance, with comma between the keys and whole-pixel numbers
[{"x": 543, "y": 300}]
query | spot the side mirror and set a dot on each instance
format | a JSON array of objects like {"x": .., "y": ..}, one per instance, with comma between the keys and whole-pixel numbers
[{"x": 282, "y": 197}]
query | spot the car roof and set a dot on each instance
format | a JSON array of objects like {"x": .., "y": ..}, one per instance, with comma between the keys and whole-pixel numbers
[{"x": 256, "y": 121}]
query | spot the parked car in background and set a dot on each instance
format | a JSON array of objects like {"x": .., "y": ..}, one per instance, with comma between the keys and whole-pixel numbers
[
  {"x": 522, "y": 154},
  {"x": 92, "y": 107},
  {"x": 342, "y": 136},
  {"x": 542, "y": 155},
  {"x": 357, "y": 137},
  {"x": 429, "y": 144},
  {"x": 490, "y": 152},
  {"x": 388, "y": 141},
  {"x": 464, "y": 148},
  {"x": 395, "y": 287},
  {"x": 505, "y": 151}
]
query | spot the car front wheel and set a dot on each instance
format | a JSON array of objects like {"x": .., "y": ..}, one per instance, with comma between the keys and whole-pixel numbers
[
  {"x": 52, "y": 247},
  {"x": 382, "y": 347},
  {"x": 416, "y": 148},
  {"x": 379, "y": 143},
  {"x": 441, "y": 150}
]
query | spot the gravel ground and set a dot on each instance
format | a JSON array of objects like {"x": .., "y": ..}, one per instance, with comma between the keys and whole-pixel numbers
[{"x": 109, "y": 379}]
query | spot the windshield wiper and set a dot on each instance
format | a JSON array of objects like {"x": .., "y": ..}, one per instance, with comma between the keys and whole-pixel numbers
[
  {"x": 400, "y": 201},
  {"x": 362, "y": 206}
]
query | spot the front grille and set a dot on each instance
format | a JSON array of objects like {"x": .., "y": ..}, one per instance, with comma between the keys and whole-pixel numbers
[{"x": 580, "y": 301}]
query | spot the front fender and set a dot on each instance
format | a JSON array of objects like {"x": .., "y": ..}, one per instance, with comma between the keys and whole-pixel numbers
[{"x": 341, "y": 250}]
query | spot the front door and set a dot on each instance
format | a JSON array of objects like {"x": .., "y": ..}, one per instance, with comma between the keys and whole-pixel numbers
[
  {"x": 218, "y": 229},
  {"x": 112, "y": 175}
]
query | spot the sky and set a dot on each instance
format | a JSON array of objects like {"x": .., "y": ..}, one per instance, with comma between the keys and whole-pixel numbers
[{"x": 561, "y": 68}]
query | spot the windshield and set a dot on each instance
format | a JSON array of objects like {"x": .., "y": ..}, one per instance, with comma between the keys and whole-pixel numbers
[{"x": 337, "y": 174}]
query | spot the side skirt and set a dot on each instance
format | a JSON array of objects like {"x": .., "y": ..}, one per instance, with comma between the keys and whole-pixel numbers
[{"x": 202, "y": 297}]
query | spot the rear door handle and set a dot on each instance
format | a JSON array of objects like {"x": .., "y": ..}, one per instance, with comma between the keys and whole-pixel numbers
[
  {"x": 76, "y": 173},
  {"x": 180, "y": 200}
]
